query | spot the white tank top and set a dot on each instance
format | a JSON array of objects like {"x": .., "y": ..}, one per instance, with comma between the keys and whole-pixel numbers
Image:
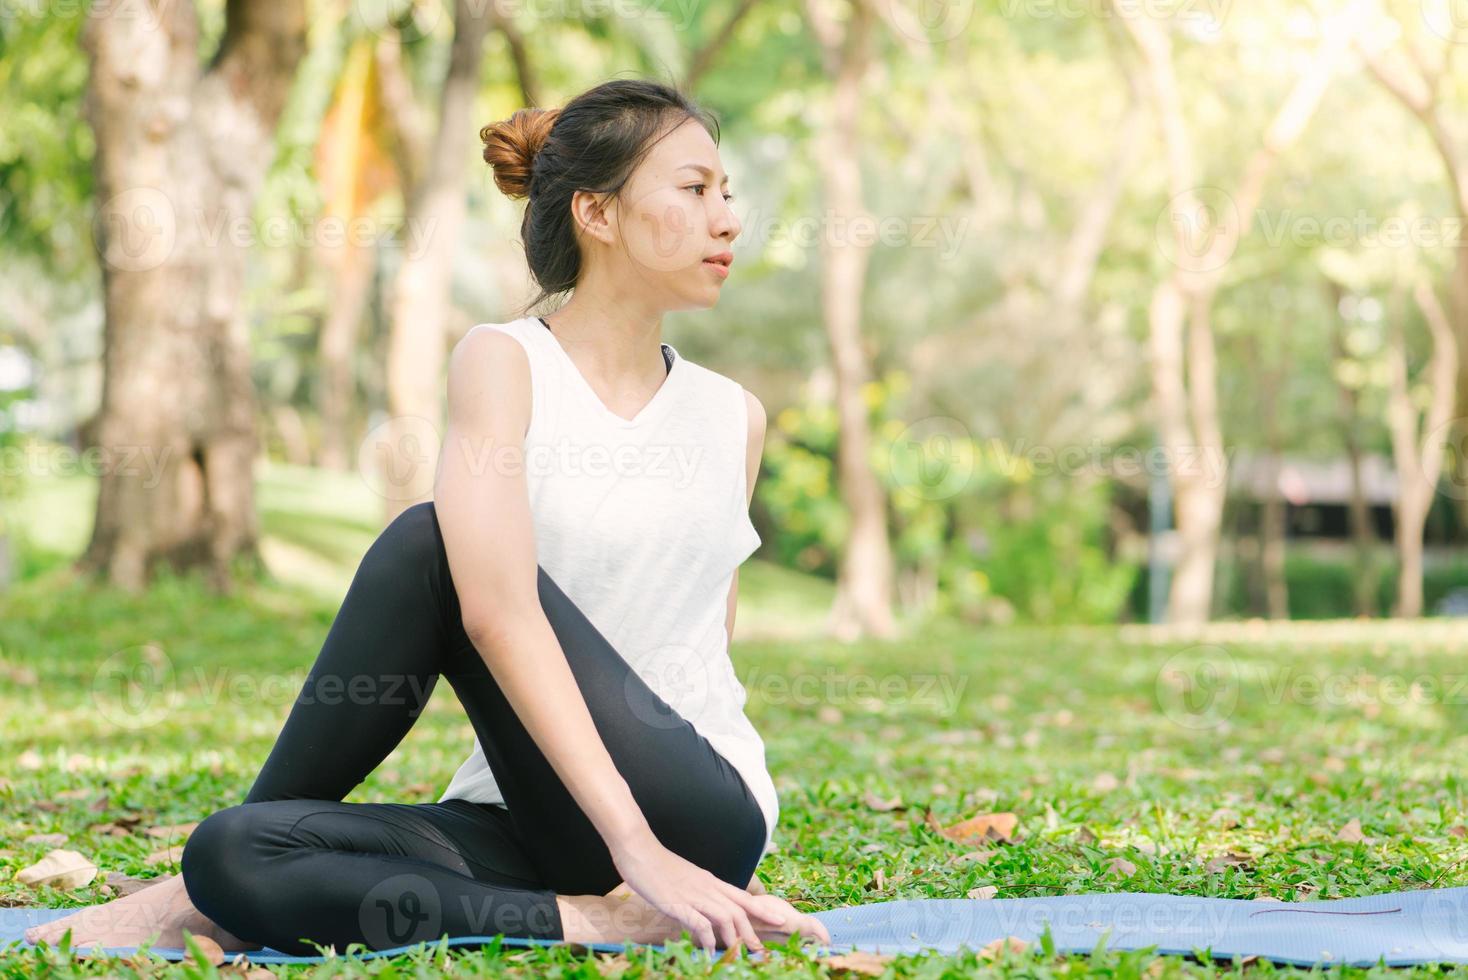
[{"x": 642, "y": 522}]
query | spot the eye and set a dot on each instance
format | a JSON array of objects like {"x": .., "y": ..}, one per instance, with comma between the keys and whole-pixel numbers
[{"x": 700, "y": 187}]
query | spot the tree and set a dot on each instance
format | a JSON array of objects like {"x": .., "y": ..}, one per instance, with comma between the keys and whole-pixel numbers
[
  {"x": 1183, "y": 364},
  {"x": 1418, "y": 438},
  {"x": 864, "y": 583},
  {"x": 181, "y": 151}
]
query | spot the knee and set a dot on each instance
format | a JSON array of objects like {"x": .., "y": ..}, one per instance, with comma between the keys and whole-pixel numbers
[
  {"x": 217, "y": 859},
  {"x": 413, "y": 536}
]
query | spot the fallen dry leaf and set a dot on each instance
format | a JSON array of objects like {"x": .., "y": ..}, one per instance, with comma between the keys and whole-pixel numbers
[
  {"x": 61, "y": 869},
  {"x": 1105, "y": 782},
  {"x": 983, "y": 891},
  {"x": 1121, "y": 866},
  {"x": 124, "y": 885},
  {"x": 1230, "y": 860},
  {"x": 976, "y": 856},
  {"x": 613, "y": 965},
  {"x": 875, "y": 802},
  {"x": 172, "y": 830},
  {"x": 866, "y": 964},
  {"x": 1351, "y": 832},
  {"x": 978, "y": 829},
  {"x": 168, "y": 855},
  {"x": 1458, "y": 830},
  {"x": 1011, "y": 943},
  {"x": 53, "y": 840}
]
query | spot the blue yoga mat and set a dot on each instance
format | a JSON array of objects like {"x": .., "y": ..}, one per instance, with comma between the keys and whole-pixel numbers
[{"x": 1397, "y": 929}]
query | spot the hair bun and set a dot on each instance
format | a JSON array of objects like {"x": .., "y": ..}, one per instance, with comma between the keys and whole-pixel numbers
[{"x": 511, "y": 144}]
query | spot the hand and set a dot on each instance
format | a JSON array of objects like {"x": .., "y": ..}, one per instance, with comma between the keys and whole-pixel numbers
[
  {"x": 792, "y": 921},
  {"x": 713, "y": 911}
]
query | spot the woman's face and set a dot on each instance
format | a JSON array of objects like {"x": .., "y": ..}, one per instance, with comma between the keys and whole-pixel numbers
[{"x": 671, "y": 219}]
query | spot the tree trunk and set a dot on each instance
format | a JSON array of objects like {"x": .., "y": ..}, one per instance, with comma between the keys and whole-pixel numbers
[
  {"x": 1273, "y": 527},
  {"x": 863, "y": 601},
  {"x": 1418, "y": 463},
  {"x": 1358, "y": 511},
  {"x": 336, "y": 349},
  {"x": 1185, "y": 390},
  {"x": 181, "y": 151},
  {"x": 420, "y": 301}
]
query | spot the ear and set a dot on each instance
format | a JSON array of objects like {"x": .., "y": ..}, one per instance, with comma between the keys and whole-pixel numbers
[{"x": 592, "y": 214}]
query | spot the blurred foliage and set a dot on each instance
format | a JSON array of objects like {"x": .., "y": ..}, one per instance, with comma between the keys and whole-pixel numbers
[{"x": 999, "y": 537}]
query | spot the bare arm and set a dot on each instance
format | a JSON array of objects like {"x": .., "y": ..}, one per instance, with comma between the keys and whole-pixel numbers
[
  {"x": 754, "y": 451},
  {"x": 483, "y": 505}
]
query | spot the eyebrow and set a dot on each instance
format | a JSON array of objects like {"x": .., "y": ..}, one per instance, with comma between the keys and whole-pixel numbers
[{"x": 703, "y": 170}]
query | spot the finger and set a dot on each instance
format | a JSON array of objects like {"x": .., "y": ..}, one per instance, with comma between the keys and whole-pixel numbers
[
  {"x": 768, "y": 908},
  {"x": 746, "y": 931},
  {"x": 724, "y": 925},
  {"x": 703, "y": 933}
]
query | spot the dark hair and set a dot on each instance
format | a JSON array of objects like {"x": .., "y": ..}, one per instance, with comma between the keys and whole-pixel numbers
[{"x": 592, "y": 143}]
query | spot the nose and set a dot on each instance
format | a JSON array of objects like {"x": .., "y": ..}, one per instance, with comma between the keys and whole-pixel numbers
[{"x": 725, "y": 223}]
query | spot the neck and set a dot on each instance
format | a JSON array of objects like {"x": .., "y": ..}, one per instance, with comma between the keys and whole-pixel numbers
[{"x": 610, "y": 338}]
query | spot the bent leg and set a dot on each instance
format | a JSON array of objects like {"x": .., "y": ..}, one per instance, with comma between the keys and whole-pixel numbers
[
  {"x": 283, "y": 872},
  {"x": 373, "y": 675},
  {"x": 695, "y": 801}
]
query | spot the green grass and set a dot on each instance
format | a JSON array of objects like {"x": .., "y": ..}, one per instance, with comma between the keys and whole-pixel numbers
[{"x": 1083, "y": 733}]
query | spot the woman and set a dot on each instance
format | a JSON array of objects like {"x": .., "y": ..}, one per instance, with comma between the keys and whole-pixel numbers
[{"x": 574, "y": 578}]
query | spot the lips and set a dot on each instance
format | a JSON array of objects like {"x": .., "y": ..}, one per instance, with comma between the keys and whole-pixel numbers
[{"x": 724, "y": 259}]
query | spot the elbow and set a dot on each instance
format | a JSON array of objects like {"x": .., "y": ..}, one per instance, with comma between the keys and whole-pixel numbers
[
  {"x": 493, "y": 629},
  {"x": 482, "y": 629}
]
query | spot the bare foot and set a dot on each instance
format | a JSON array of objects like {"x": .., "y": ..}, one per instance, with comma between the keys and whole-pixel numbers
[
  {"x": 156, "y": 915},
  {"x": 624, "y": 916}
]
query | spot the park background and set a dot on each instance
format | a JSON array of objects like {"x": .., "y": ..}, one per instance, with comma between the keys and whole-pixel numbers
[{"x": 1113, "y": 352}]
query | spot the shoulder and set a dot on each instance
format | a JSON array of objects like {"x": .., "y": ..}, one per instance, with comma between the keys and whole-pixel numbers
[
  {"x": 489, "y": 369},
  {"x": 494, "y": 348},
  {"x": 754, "y": 411}
]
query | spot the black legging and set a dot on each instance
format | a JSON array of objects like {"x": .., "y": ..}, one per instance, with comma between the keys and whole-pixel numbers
[{"x": 294, "y": 863}]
